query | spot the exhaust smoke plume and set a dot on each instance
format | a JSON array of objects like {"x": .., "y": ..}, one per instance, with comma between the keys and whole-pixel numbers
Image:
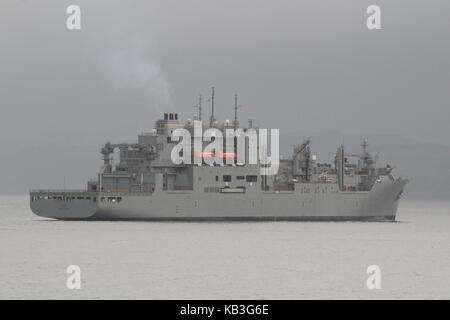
[{"x": 135, "y": 67}]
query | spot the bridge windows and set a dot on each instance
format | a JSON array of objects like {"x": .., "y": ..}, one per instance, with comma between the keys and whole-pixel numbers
[
  {"x": 226, "y": 178},
  {"x": 252, "y": 178}
]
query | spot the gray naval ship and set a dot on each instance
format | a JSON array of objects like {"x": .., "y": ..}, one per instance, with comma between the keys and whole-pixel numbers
[{"x": 145, "y": 184}]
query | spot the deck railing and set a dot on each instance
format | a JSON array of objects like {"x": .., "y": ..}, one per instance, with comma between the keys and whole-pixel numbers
[
  {"x": 80, "y": 192},
  {"x": 59, "y": 191}
]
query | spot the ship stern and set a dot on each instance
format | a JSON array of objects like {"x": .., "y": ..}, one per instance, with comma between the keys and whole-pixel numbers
[{"x": 63, "y": 205}]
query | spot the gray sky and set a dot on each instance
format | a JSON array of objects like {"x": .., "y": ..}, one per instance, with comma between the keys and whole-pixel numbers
[{"x": 308, "y": 65}]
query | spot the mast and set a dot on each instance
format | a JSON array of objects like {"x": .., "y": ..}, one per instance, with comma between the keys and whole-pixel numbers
[
  {"x": 364, "y": 144},
  {"x": 340, "y": 166},
  {"x": 212, "y": 108},
  {"x": 235, "y": 122},
  {"x": 200, "y": 107},
  {"x": 342, "y": 157}
]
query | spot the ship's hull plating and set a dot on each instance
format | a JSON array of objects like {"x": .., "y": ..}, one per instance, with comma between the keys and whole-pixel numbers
[{"x": 322, "y": 202}]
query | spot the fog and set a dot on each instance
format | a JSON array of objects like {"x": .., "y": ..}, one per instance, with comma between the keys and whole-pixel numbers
[{"x": 310, "y": 66}]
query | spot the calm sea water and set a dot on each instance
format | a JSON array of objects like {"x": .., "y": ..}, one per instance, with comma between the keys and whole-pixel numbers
[{"x": 257, "y": 260}]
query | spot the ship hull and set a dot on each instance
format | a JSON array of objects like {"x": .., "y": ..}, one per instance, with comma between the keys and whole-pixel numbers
[{"x": 307, "y": 202}]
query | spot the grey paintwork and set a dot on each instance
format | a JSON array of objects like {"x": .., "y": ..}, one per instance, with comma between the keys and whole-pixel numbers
[{"x": 146, "y": 185}]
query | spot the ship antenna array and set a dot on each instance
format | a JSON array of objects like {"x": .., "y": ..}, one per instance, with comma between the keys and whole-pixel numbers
[
  {"x": 236, "y": 122},
  {"x": 212, "y": 107},
  {"x": 364, "y": 144},
  {"x": 200, "y": 107}
]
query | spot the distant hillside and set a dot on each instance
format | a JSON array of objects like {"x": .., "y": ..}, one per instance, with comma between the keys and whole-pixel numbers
[{"x": 426, "y": 165}]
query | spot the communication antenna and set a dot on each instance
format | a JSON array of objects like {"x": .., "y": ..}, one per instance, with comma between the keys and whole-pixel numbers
[
  {"x": 236, "y": 122},
  {"x": 364, "y": 144},
  {"x": 341, "y": 168},
  {"x": 200, "y": 107},
  {"x": 212, "y": 107}
]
